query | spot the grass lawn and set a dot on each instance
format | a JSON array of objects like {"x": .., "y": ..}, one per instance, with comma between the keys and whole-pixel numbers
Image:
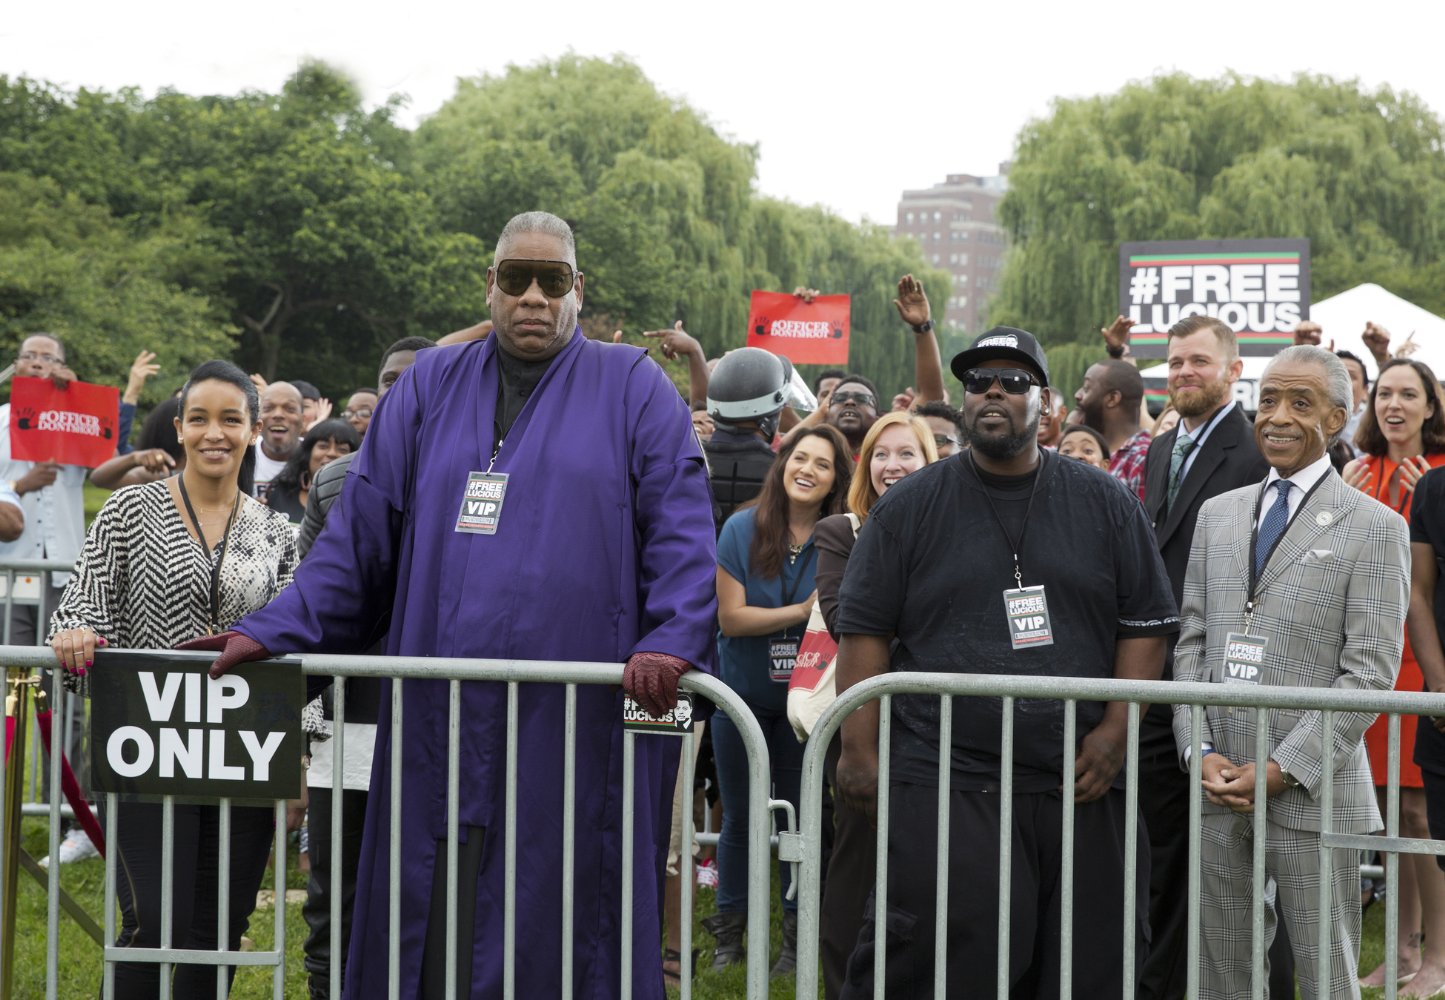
[
  {"x": 80, "y": 958},
  {"x": 80, "y": 962}
]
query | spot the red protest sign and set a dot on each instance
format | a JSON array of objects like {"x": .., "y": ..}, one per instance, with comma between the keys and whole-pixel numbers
[
  {"x": 76, "y": 425},
  {"x": 806, "y": 333}
]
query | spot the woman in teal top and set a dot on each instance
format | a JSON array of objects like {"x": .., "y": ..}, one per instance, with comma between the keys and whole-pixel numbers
[{"x": 765, "y": 588}]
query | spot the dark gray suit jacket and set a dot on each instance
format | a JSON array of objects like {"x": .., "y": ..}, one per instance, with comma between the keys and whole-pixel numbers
[{"x": 1227, "y": 460}]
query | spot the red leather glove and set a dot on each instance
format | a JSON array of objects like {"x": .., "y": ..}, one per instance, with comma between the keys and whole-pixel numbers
[
  {"x": 235, "y": 648},
  {"x": 651, "y": 680}
]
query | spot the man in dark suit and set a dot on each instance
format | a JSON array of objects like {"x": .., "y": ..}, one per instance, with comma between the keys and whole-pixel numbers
[{"x": 1211, "y": 451}]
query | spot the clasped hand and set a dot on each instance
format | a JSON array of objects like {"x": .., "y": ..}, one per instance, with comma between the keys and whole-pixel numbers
[{"x": 1232, "y": 785}]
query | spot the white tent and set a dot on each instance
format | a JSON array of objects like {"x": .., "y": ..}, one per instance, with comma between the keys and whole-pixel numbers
[{"x": 1342, "y": 318}]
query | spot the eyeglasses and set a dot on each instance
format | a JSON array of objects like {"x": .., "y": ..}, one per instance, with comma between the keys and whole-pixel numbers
[
  {"x": 858, "y": 398},
  {"x": 943, "y": 440},
  {"x": 1015, "y": 381},
  {"x": 49, "y": 359},
  {"x": 356, "y": 414},
  {"x": 555, "y": 277}
]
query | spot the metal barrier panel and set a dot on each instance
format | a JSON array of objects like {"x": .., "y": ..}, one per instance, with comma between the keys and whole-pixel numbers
[
  {"x": 1070, "y": 691},
  {"x": 454, "y": 671}
]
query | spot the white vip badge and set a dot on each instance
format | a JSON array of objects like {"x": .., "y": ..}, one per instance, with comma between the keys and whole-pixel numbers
[
  {"x": 1027, "y": 610},
  {"x": 481, "y": 510},
  {"x": 677, "y": 722},
  {"x": 1243, "y": 658},
  {"x": 782, "y": 655}
]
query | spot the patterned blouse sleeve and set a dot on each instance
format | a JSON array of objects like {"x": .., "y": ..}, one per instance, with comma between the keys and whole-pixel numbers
[
  {"x": 290, "y": 556},
  {"x": 92, "y": 596}
]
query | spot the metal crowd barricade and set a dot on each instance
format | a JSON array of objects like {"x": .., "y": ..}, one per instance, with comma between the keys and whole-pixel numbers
[
  {"x": 1071, "y": 691},
  {"x": 27, "y": 582},
  {"x": 454, "y": 671}
]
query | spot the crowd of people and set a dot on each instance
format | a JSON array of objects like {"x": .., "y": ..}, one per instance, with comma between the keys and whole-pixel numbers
[{"x": 1012, "y": 535}]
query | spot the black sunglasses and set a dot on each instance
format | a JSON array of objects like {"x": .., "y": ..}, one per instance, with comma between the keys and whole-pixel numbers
[
  {"x": 1015, "y": 381},
  {"x": 555, "y": 277},
  {"x": 857, "y": 398}
]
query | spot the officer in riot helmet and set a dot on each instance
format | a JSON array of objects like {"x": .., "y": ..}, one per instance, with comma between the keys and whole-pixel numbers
[{"x": 745, "y": 396}]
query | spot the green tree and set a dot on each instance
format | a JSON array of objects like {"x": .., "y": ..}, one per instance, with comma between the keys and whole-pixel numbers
[
  {"x": 1359, "y": 172},
  {"x": 309, "y": 234},
  {"x": 69, "y": 267},
  {"x": 667, "y": 225}
]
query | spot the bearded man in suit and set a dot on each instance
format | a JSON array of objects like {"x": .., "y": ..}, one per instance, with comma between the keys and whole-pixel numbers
[{"x": 1298, "y": 582}]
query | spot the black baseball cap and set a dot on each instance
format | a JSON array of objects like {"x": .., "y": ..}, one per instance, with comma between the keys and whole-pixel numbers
[{"x": 1002, "y": 343}]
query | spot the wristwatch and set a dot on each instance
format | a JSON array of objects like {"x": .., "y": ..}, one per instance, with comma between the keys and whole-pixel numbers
[
  {"x": 1290, "y": 781},
  {"x": 1117, "y": 352},
  {"x": 925, "y": 327}
]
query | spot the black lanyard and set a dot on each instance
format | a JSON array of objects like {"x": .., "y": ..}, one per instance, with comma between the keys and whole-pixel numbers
[
  {"x": 225, "y": 540},
  {"x": 1014, "y": 546},
  {"x": 1254, "y": 574}
]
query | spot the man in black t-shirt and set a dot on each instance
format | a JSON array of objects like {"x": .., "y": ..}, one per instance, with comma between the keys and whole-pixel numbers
[{"x": 1057, "y": 574}]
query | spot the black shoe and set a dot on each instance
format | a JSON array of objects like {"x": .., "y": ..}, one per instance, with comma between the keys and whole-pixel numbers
[
  {"x": 787, "y": 958},
  {"x": 727, "y": 931}
]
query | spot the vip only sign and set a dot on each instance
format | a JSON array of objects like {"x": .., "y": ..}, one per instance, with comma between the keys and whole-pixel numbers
[
  {"x": 159, "y": 725},
  {"x": 1259, "y": 288}
]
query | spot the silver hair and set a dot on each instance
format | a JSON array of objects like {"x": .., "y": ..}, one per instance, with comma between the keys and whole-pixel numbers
[
  {"x": 1337, "y": 376},
  {"x": 539, "y": 222}
]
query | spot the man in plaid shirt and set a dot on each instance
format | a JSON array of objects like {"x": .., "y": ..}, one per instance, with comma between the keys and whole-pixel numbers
[{"x": 1110, "y": 400}]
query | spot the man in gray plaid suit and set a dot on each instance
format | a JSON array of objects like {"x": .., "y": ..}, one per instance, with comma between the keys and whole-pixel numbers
[{"x": 1298, "y": 582}]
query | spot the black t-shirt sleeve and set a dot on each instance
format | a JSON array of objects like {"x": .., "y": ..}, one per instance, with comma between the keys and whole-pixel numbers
[
  {"x": 1145, "y": 596},
  {"x": 833, "y": 538},
  {"x": 875, "y": 586},
  {"x": 1426, "y": 498}
]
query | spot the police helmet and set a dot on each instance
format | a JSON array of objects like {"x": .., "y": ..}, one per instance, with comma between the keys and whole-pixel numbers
[{"x": 748, "y": 384}]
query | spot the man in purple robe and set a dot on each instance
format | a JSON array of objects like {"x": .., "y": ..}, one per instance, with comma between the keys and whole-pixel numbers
[{"x": 600, "y": 549}]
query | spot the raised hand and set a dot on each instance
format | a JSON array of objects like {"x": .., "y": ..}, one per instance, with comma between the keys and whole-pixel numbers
[
  {"x": 675, "y": 343},
  {"x": 1377, "y": 341},
  {"x": 1116, "y": 334},
  {"x": 912, "y": 301},
  {"x": 1357, "y": 475},
  {"x": 1411, "y": 470},
  {"x": 141, "y": 369}
]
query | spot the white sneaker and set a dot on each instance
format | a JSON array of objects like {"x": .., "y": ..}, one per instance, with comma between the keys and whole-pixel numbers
[{"x": 77, "y": 847}]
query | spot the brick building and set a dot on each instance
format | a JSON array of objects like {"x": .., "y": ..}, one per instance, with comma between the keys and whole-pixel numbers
[{"x": 954, "y": 223}]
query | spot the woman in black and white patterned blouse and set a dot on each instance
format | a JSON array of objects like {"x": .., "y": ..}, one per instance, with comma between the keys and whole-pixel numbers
[{"x": 166, "y": 562}]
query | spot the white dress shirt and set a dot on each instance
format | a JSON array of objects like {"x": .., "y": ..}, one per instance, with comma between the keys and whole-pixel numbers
[{"x": 1304, "y": 480}]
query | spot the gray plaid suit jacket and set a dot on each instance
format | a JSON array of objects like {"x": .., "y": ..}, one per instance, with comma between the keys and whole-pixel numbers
[{"x": 1332, "y": 601}]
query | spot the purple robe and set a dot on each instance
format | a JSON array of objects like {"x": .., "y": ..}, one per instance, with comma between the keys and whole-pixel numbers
[{"x": 605, "y": 547}]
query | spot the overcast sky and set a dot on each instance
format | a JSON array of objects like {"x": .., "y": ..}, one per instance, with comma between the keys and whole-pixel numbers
[{"x": 850, "y": 104}]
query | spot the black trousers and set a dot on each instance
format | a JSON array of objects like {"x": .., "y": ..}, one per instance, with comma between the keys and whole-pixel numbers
[
  {"x": 1164, "y": 794},
  {"x": 319, "y": 889},
  {"x": 1035, "y": 910},
  {"x": 434, "y": 951},
  {"x": 195, "y": 875},
  {"x": 848, "y": 887}
]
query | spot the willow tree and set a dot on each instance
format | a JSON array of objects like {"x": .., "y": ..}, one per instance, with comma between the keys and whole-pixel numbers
[
  {"x": 668, "y": 227},
  {"x": 1359, "y": 172}
]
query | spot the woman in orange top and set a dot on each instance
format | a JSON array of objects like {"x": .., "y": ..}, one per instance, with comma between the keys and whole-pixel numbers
[{"x": 1402, "y": 433}]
